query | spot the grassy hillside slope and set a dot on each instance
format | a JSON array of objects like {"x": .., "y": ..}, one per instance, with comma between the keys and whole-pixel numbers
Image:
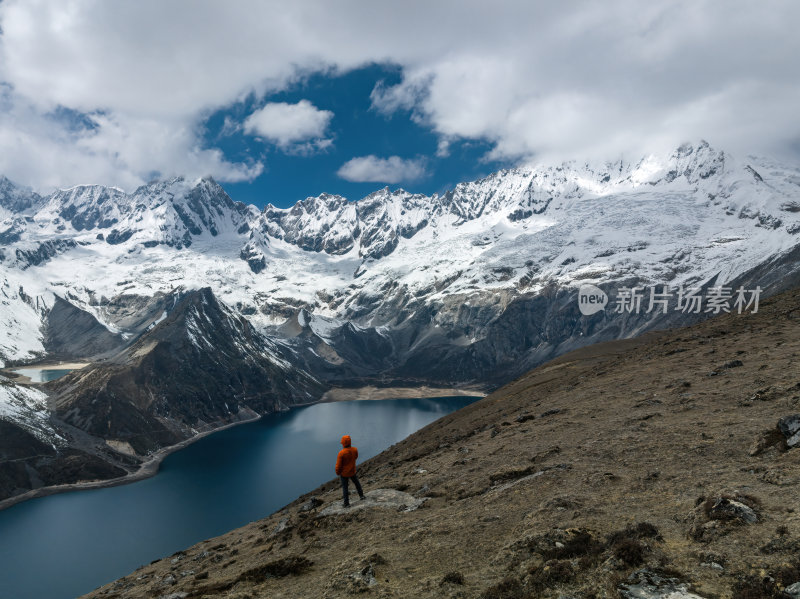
[{"x": 646, "y": 466}]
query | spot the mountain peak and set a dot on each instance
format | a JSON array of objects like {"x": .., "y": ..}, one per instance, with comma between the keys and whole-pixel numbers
[
  {"x": 15, "y": 198},
  {"x": 179, "y": 376}
]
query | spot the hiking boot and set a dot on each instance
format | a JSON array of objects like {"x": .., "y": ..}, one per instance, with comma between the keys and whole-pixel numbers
[
  {"x": 362, "y": 497},
  {"x": 346, "y": 504}
]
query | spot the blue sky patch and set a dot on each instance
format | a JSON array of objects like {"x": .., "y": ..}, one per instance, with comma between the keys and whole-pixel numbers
[{"x": 297, "y": 171}]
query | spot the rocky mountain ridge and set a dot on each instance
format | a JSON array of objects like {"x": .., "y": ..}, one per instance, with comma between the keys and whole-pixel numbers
[
  {"x": 200, "y": 367},
  {"x": 391, "y": 257}
]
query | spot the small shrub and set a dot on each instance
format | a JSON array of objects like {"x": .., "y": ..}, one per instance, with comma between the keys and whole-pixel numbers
[
  {"x": 376, "y": 559},
  {"x": 646, "y": 530},
  {"x": 292, "y": 565},
  {"x": 510, "y": 588},
  {"x": 642, "y": 530},
  {"x": 626, "y": 546},
  {"x": 580, "y": 543},
  {"x": 512, "y": 474},
  {"x": 783, "y": 544},
  {"x": 788, "y": 574},
  {"x": 552, "y": 572},
  {"x": 453, "y": 578},
  {"x": 629, "y": 551},
  {"x": 755, "y": 588}
]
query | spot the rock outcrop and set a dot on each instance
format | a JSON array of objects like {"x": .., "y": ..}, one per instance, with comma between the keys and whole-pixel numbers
[{"x": 790, "y": 429}]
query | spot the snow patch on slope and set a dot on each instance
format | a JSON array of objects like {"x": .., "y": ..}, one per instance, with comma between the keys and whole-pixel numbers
[{"x": 27, "y": 408}]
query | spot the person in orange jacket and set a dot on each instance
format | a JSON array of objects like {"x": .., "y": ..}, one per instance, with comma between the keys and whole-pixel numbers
[{"x": 346, "y": 469}]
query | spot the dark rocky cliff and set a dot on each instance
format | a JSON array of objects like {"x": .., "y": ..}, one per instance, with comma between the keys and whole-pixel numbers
[{"x": 201, "y": 367}]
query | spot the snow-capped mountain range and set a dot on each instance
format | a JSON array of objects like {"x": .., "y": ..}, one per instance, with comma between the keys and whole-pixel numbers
[
  {"x": 476, "y": 285},
  {"x": 683, "y": 218}
]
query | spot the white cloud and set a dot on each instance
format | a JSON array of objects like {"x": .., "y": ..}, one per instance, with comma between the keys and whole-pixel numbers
[
  {"x": 43, "y": 152},
  {"x": 382, "y": 170},
  {"x": 607, "y": 79},
  {"x": 287, "y": 124},
  {"x": 531, "y": 78},
  {"x": 443, "y": 147},
  {"x": 411, "y": 93}
]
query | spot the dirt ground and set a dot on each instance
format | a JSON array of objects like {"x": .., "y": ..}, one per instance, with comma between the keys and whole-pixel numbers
[
  {"x": 647, "y": 465},
  {"x": 371, "y": 392}
]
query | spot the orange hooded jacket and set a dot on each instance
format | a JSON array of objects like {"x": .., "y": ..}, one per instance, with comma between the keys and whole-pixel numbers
[{"x": 346, "y": 460}]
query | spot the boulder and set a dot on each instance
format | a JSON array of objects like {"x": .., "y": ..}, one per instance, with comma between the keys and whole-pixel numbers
[
  {"x": 311, "y": 504},
  {"x": 355, "y": 576},
  {"x": 766, "y": 440},
  {"x": 790, "y": 429},
  {"x": 645, "y": 584},
  {"x": 383, "y": 498},
  {"x": 793, "y": 590},
  {"x": 714, "y": 515},
  {"x": 730, "y": 509},
  {"x": 282, "y": 525}
]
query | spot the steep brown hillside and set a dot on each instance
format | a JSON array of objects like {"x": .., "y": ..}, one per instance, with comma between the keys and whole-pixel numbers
[{"x": 633, "y": 469}]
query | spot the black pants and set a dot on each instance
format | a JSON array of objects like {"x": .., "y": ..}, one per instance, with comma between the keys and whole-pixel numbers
[{"x": 346, "y": 490}]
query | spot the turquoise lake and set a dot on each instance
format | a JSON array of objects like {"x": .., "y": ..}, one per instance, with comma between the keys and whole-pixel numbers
[
  {"x": 65, "y": 545},
  {"x": 43, "y": 375}
]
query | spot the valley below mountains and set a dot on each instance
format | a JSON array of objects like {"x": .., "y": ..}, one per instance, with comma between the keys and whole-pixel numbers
[{"x": 661, "y": 467}]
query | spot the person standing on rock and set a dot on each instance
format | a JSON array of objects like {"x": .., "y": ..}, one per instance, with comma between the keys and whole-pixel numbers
[{"x": 346, "y": 469}]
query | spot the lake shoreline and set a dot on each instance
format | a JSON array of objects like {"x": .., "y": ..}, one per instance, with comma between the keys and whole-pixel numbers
[
  {"x": 216, "y": 484},
  {"x": 146, "y": 470},
  {"x": 151, "y": 466}
]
